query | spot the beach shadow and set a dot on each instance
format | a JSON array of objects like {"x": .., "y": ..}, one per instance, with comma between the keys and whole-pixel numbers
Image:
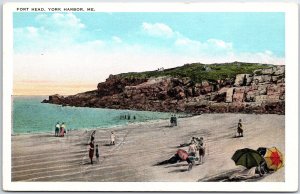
[
  {"x": 87, "y": 163},
  {"x": 176, "y": 165},
  {"x": 81, "y": 144},
  {"x": 108, "y": 144},
  {"x": 234, "y": 137},
  {"x": 225, "y": 177},
  {"x": 178, "y": 170},
  {"x": 79, "y": 152},
  {"x": 48, "y": 135},
  {"x": 165, "y": 126}
]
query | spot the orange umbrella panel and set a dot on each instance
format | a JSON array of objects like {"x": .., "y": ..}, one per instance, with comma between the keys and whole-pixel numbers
[{"x": 274, "y": 158}]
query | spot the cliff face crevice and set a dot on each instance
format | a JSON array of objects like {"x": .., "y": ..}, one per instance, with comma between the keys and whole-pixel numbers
[{"x": 262, "y": 91}]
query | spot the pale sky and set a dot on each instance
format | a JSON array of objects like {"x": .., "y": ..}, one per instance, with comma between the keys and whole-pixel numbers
[{"x": 67, "y": 53}]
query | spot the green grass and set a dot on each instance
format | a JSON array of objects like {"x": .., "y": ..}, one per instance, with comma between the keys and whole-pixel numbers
[{"x": 199, "y": 72}]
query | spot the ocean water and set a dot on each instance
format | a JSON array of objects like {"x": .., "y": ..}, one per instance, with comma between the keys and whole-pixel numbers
[{"x": 31, "y": 116}]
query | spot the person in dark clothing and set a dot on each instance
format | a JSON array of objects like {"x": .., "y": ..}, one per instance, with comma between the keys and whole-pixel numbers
[
  {"x": 91, "y": 151},
  {"x": 240, "y": 129},
  {"x": 175, "y": 120},
  {"x": 57, "y": 128},
  {"x": 97, "y": 153},
  {"x": 174, "y": 159}
]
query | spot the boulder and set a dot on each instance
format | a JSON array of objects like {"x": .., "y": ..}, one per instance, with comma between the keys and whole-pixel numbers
[
  {"x": 261, "y": 98},
  {"x": 240, "y": 80},
  {"x": 258, "y": 79},
  {"x": 267, "y": 71},
  {"x": 229, "y": 94},
  {"x": 262, "y": 89},
  {"x": 249, "y": 79},
  {"x": 280, "y": 70},
  {"x": 238, "y": 97}
]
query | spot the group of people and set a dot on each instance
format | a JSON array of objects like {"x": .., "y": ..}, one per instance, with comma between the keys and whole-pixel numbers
[
  {"x": 173, "y": 120},
  {"x": 60, "y": 129},
  {"x": 96, "y": 151},
  {"x": 196, "y": 151},
  {"x": 128, "y": 117}
]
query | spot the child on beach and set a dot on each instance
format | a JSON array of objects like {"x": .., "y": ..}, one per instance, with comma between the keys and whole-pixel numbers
[
  {"x": 97, "y": 153},
  {"x": 112, "y": 138}
]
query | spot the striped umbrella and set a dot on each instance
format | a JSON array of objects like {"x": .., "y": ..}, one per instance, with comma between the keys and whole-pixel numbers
[{"x": 274, "y": 158}]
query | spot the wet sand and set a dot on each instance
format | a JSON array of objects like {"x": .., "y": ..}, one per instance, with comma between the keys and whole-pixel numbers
[{"x": 43, "y": 157}]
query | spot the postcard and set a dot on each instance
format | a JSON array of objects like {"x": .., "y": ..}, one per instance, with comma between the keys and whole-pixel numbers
[{"x": 150, "y": 97}]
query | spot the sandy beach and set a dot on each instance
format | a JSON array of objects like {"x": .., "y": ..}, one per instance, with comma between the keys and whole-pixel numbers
[{"x": 139, "y": 146}]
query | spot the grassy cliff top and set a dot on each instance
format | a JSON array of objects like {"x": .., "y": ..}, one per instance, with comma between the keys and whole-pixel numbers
[{"x": 199, "y": 72}]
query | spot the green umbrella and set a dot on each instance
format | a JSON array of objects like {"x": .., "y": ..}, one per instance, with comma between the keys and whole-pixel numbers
[{"x": 247, "y": 157}]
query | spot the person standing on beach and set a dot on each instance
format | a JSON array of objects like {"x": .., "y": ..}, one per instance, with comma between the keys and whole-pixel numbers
[
  {"x": 62, "y": 129},
  {"x": 112, "y": 138},
  {"x": 201, "y": 149},
  {"x": 240, "y": 129},
  {"x": 91, "y": 151},
  {"x": 57, "y": 128}
]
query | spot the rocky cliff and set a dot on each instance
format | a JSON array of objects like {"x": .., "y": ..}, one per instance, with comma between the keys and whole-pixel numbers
[{"x": 260, "y": 91}]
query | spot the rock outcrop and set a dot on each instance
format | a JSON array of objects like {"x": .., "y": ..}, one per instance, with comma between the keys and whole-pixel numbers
[{"x": 263, "y": 91}]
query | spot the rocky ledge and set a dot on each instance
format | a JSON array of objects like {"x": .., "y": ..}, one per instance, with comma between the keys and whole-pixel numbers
[{"x": 262, "y": 91}]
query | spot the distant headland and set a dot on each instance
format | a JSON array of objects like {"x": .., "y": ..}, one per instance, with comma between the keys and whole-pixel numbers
[{"x": 192, "y": 88}]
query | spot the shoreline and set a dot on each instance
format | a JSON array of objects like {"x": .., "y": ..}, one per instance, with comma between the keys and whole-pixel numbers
[
  {"x": 136, "y": 123},
  {"x": 140, "y": 146}
]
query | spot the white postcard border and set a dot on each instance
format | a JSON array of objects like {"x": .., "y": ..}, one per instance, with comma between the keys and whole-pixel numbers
[{"x": 291, "y": 116}]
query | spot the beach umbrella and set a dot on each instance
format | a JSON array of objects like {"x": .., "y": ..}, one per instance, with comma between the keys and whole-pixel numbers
[
  {"x": 262, "y": 150},
  {"x": 247, "y": 157},
  {"x": 274, "y": 158}
]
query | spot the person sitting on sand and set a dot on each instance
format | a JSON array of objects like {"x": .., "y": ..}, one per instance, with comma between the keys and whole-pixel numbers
[
  {"x": 192, "y": 149},
  {"x": 97, "y": 153},
  {"x": 262, "y": 168},
  {"x": 245, "y": 174},
  {"x": 91, "y": 151},
  {"x": 57, "y": 127},
  {"x": 62, "y": 130},
  {"x": 112, "y": 138},
  {"x": 184, "y": 156},
  {"x": 180, "y": 155},
  {"x": 240, "y": 128}
]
